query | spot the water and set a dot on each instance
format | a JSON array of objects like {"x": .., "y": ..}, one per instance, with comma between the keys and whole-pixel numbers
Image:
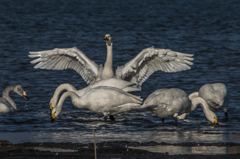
[
  {"x": 208, "y": 29},
  {"x": 187, "y": 150}
]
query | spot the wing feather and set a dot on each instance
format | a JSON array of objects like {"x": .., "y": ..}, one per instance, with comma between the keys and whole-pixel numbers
[
  {"x": 69, "y": 58},
  {"x": 152, "y": 59}
]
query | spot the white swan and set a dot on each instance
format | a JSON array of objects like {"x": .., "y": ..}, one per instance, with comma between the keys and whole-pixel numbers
[
  {"x": 7, "y": 105},
  {"x": 215, "y": 95},
  {"x": 174, "y": 102},
  {"x": 111, "y": 82},
  {"x": 137, "y": 70},
  {"x": 105, "y": 100}
]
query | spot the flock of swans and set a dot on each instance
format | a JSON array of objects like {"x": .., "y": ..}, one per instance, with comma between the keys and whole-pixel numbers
[{"x": 108, "y": 92}]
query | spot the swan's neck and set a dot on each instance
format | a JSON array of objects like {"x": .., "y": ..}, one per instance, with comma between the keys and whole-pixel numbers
[
  {"x": 193, "y": 95},
  {"x": 76, "y": 100},
  {"x": 5, "y": 95},
  {"x": 62, "y": 87},
  {"x": 108, "y": 70},
  {"x": 208, "y": 113}
]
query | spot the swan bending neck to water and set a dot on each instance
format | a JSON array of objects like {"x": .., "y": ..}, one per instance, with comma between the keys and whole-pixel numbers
[
  {"x": 215, "y": 95},
  {"x": 111, "y": 82},
  {"x": 103, "y": 99},
  {"x": 174, "y": 102},
  {"x": 210, "y": 115},
  {"x": 6, "y": 103},
  {"x": 136, "y": 70}
]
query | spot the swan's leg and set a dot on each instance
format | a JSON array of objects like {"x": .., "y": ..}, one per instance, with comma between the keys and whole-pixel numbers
[
  {"x": 112, "y": 118},
  {"x": 226, "y": 115},
  {"x": 162, "y": 121},
  {"x": 175, "y": 118},
  {"x": 105, "y": 118}
]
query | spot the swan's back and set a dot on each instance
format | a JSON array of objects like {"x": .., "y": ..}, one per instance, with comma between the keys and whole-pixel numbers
[
  {"x": 107, "y": 96},
  {"x": 167, "y": 102},
  {"x": 215, "y": 95},
  {"x": 118, "y": 83},
  {"x": 110, "y": 100}
]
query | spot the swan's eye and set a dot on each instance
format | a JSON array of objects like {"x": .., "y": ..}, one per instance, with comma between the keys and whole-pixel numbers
[{"x": 19, "y": 89}]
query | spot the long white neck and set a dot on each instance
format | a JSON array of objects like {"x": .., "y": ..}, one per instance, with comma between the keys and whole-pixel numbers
[
  {"x": 62, "y": 87},
  {"x": 208, "y": 113},
  {"x": 5, "y": 95},
  {"x": 76, "y": 101},
  {"x": 193, "y": 95},
  {"x": 108, "y": 68}
]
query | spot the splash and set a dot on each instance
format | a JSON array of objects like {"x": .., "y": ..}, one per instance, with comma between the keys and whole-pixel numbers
[{"x": 26, "y": 107}]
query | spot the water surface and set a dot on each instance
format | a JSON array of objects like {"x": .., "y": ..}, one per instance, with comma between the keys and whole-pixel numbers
[{"x": 208, "y": 29}]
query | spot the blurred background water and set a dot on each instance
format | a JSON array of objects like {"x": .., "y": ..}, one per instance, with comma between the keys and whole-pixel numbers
[{"x": 208, "y": 29}]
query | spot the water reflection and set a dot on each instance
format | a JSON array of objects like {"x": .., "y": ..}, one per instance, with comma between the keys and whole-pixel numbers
[
  {"x": 203, "y": 150},
  {"x": 103, "y": 135}
]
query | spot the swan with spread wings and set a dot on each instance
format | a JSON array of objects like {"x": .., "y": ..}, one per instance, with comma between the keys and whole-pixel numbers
[{"x": 136, "y": 70}]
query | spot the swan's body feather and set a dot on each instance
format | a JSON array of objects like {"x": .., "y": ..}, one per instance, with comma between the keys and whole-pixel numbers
[
  {"x": 215, "y": 95},
  {"x": 103, "y": 99},
  {"x": 5, "y": 106},
  {"x": 111, "y": 82},
  {"x": 175, "y": 103},
  {"x": 168, "y": 102},
  {"x": 150, "y": 60},
  {"x": 60, "y": 59}
]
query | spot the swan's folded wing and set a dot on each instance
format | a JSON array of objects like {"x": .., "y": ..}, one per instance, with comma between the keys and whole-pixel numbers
[
  {"x": 150, "y": 60},
  {"x": 60, "y": 59}
]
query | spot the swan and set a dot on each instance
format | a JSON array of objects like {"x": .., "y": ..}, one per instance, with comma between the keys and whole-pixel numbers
[
  {"x": 215, "y": 95},
  {"x": 136, "y": 70},
  {"x": 7, "y": 105},
  {"x": 105, "y": 100},
  {"x": 111, "y": 82},
  {"x": 173, "y": 102}
]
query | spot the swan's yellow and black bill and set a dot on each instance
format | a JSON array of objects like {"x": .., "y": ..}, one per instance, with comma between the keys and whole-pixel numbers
[
  {"x": 53, "y": 116},
  {"x": 24, "y": 95},
  {"x": 51, "y": 106},
  {"x": 215, "y": 122},
  {"x": 106, "y": 37}
]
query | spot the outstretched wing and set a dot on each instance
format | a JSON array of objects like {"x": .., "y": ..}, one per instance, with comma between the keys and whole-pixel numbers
[
  {"x": 60, "y": 59},
  {"x": 150, "y": 60}
]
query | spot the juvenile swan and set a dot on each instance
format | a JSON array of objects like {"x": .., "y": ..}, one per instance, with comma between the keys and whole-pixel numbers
[
  {"x": 111, "y": 82},
  {"x": 104, "y": 100},
  {"x": 6, "y": 103},
  {"x": 215, "y": 95},
  {"x": 137, "y": 70},
  {"x": 174, "y": 102}
]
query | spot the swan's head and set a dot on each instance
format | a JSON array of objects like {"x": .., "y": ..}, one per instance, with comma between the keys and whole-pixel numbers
[
  {"x": 20, "y": 90},
  {"x": 211, "y": 116},
  {"x": 55, "y": 111},
  {"x": 52, "y": 103},
  {"x": 108, "y": 39}
]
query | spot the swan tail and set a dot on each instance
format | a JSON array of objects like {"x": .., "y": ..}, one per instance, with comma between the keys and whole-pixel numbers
[
  {"x": 148, "y": 106},
  {"x": 182, "y": 116},
  {"x": 128, "y": 107}
]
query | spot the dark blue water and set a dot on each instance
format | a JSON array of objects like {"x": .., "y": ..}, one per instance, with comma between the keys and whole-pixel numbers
[{"x": 208, "y": 29}]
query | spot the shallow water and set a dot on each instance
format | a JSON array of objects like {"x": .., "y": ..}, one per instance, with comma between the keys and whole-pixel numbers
[
  {"x": 207, "y": 29},
  {"x": 194, "y": 150}
]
